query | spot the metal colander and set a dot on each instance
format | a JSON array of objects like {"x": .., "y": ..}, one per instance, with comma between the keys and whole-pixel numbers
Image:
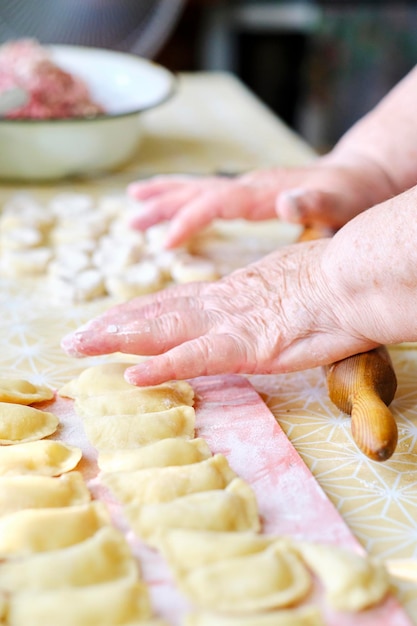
[{"x": 137, "y": 26}]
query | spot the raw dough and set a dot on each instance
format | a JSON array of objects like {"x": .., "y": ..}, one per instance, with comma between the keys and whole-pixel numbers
[
  {"x": 162, "y": 484},
  {"x": 23, "y": 391},
  {"x": 20, "y": 423},
  {"x": 185, "y": 550},
  {"x": 352, "y": 582},
  {"x": 115, "y": 603},
  {"x": 163, "y": 453},
  {"x": 234, "y": 509},
  {"x": 230, "y": 585},
  {"x": 38, "y": 530},
  {"x": 308, "y": 616},
  {"x": 128, "y": 431},
  {"x": 45, "y": 457},
  {"x": 134, "y": 401},
  {"x": 109, "y": 377},
  {"x": 104, "y": 556},
  {"x": 33, "y": 492}
]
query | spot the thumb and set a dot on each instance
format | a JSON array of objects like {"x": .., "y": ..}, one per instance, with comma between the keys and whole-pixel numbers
[{"x": 311, "y": 206}]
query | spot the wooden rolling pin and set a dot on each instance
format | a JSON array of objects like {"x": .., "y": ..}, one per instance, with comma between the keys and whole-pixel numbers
[{"x": 363, "y": 386}]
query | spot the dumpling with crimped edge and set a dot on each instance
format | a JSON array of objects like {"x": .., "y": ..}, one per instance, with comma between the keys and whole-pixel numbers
[
  {"x": 39, "y": 530},
  {"x": 113, "y": 432},
  {"x": 22, "y": 391},
  {"x": 162, "y": 453},
  {"x": 20, "y": 423},
  {"x": 234, "y": 509},
  {"x": 162, "y": 484},
  {"x": 45, "y": 457},
  {"x": 303, "y": 616},
  {"x": 116, "y": 603},
  {"x": 109, "y": 378},
  {"x": 229, "y": 585},
  {"x": 131, "y": 402},
  {"x": 103, "y": 557},
  {"x": 33, "y": 492},
  {"x": 188, "y": 549},
  {"x": 352, "y": 582}
]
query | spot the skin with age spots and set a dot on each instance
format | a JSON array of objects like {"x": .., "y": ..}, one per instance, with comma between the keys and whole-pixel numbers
[{"x": 305, "y": 305}]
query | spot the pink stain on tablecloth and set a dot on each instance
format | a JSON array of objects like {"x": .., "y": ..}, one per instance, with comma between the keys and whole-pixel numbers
[{"x": 235, "y": 421}]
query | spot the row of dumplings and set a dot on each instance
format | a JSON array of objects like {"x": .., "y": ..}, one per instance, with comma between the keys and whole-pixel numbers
[
  {"x": 86, "y": 248},
  {"x": 61, "y": 559},
  {"x": 190, "y": 505}
]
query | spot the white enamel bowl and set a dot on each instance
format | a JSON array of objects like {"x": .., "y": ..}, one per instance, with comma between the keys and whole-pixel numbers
[{"x": 125, "y": 85}]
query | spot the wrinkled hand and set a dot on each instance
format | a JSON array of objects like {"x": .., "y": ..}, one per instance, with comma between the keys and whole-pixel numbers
[
  {"x": 323, "y": 194},
  {"x": 279, "y": 314}
]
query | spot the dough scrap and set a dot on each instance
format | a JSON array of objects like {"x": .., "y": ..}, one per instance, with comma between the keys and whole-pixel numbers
[
  {"x": 45, "y": 457},
  {"x": 109, "y": 378},
  {"x": 114, "y": 432},
  {"x": 104, "y": 556},
  {"x": 33, "y": 492},
  {"x": 39, "y": 530},
  {"x": 185, "y": 550},
  {"x": 306, "y": 616},
  {"x": 23, "y": 391},
  {"x": 20, "y": 423},
  {"x": 163, "y": 453},
  {"x": 352, "y": 582},
  {"x": 114, "y": 603},
  {"x": 234, "y": 509},
  {"x": 230, "y": 585},
  {"x": 163, "y": 484}
]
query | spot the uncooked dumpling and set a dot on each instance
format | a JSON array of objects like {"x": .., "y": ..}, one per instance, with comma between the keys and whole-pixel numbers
[
  {"x": 129, "y": 431},
  {"x": 109, "y": 378},
  {"x": 306, "y": 616},
  {"x": 162, "y": 484},
  {"x": 96, "y": 380},
  {"x": 115, "y": 603},
  {"x": 104, "y": 556},
  {"x": 230, "y": 585},
  {"x": 234, "y": 509},
  {"x": 185, "y": 550},
  {"x": 34, "y": 492},
  {"x": 22, "y": 391},
  {"x": 39, "y": 530},
  {"x": 163, "y": 453},
  {"x": 352, "y": 582},
  {"x": 20, "y": 423},
  {"x": 45, "y": 457},
  {"x": 134, "y": 401}
]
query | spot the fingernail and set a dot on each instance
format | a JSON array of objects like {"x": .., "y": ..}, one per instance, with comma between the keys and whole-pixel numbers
[
  {"x": 131, "y": 374},
  {"x": 69, "y": 344},
  {"x": 290, "y": 204}
]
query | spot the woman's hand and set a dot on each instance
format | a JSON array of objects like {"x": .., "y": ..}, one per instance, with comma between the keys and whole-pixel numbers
[
  {"x": 277, "y": 315},
  {"x": 327, "y": 193}
]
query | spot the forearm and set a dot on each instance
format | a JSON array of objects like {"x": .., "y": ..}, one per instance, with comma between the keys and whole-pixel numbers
[
  {"x": 384, "y": 142},
  {"x": 372, "y": 263}
]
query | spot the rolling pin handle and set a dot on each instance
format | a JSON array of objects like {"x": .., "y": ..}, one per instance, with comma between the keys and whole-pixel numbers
[{"x": 374, "y": 428}]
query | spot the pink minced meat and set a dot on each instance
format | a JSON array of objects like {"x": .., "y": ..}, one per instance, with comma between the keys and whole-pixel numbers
[{"x": 53, "y": 92}]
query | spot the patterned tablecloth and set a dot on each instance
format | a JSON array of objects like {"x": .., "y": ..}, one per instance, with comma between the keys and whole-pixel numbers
[{"x": 214, "y": 124}]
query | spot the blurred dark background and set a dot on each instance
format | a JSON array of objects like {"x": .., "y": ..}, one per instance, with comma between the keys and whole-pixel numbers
[{"x": 319, "y": 65}]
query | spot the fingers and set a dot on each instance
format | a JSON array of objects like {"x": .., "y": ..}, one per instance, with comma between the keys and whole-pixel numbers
[
  {"x": 191, "y": 359},
  {"x": 151, "y": 187},
  {"x": 162, "y": 207},
  {"x": 148, "y": 330},
  {"x": 191, "y": 204}
]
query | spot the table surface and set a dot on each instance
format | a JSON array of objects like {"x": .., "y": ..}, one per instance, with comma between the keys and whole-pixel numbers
[{"x": 214, "y": 124}]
